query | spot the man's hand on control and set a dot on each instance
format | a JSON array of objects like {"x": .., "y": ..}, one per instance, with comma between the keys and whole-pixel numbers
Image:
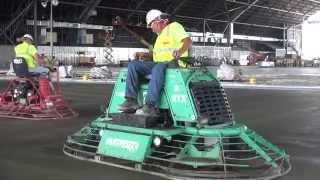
[{"x": 177, "y": 53}]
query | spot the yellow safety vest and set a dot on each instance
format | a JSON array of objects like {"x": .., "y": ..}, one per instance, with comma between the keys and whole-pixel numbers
[
  {"x": 26, "y": 51},
  {"x": 169, "y": 39}
]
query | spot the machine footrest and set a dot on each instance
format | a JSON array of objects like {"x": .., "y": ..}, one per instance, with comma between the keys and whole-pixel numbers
[{"x": 135, "y": 120}]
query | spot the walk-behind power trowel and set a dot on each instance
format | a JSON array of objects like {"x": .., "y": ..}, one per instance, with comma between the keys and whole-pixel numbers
[{"x": 194, "y": 136}]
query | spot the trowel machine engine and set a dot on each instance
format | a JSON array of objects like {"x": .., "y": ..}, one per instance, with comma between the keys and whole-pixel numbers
[{"x": 21, "y": 92}]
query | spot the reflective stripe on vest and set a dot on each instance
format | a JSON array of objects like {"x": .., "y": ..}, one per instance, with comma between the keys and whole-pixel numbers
[{"x": 166, "y": 43}]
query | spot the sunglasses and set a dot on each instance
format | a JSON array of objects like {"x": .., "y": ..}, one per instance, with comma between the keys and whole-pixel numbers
[{"x": 152, "y": 22}]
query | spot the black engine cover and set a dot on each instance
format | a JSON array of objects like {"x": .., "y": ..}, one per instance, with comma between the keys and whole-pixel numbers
[{"x": 136, "y": 120}]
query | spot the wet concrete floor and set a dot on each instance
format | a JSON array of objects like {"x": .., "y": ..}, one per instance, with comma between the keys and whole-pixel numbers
[{"x": 33, "y": 149}]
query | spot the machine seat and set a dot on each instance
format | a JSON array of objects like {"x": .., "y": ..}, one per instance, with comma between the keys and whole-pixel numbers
[{"x": 20, "y": 67}]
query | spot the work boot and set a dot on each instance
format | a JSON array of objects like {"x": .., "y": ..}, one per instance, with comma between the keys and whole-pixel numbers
[
  {"x": 129, "y": 105},
  {"x": 147, "y": 110}
]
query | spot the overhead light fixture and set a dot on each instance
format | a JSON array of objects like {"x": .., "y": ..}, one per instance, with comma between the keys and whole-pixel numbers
[
  {"x": 93, "y": 12},
  {"x": 55, "y": 2},
  {"x": 44, "y": 3}
]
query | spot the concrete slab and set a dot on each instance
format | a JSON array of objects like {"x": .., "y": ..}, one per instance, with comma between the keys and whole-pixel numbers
[{"x": 33, "y": 150}]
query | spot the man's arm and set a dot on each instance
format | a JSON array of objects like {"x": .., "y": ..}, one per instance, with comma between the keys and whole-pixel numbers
[
  {"x": 39, "y": 59},
  {"x": 36, "y": 56},
  {"x": 187, "y": 42}
]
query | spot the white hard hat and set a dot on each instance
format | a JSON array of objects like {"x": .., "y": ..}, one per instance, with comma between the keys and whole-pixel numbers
[
  {"x": 152, "y": 15},
  {"x": 28, "y": 36}
]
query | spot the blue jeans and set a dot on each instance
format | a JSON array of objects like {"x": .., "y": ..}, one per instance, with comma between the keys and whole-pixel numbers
[
  {"x": 40, "y": 70},
  {"x": 143, "y": 68}
]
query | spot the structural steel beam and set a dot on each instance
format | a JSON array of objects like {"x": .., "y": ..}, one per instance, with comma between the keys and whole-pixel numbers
[
  {"x": 246, "y": 9},
  {"x": 85, "y": 14},
  {"x": 68, "y": 25},
  {"x": 258, "y": 25},
  {"x": 6, "y": 36},
  {"x": 269, "y": 8},
  {"x": 104, "y": 7},
  {"x": 17, "y": 26},
  {"x": 208, "y": 9},
  {"x": 137, "y": 7},
  {"x": 176, "y": 9},
  {"x": 229, "y": 25},
  {"x": 227, "y": 12},
  {"x": 179, "y": 16},
  {"x": 318, "y": 2},
  {"x": 310, "y": 10},
  {"x": 272, "y": 4},
  {"x": 229, "y": 19},
  {"x": 14, "y": 20}
]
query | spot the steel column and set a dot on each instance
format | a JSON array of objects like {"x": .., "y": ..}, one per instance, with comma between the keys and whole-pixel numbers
[
  {"x": 204, "y": 32},
  {"x": 230, "y": 39},
  {"x": 285, "y": 40},
  {"x": 35, "y": 19},
  {"x": 51, "y": 30}
]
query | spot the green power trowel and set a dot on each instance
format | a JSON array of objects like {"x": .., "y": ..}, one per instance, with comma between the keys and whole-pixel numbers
[{"x": 194, "y": 136}]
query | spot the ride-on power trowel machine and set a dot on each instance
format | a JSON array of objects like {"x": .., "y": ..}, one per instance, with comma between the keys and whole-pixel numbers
[
  {"x": 194, "y": 136},
  {"x": 31, "y": 96}
]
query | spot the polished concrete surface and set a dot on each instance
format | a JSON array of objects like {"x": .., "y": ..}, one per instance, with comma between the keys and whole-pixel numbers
[{"x": 33, "y": 149}]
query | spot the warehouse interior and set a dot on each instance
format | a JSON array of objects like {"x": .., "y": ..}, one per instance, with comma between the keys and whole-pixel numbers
[{"x": 262, "y": 53}]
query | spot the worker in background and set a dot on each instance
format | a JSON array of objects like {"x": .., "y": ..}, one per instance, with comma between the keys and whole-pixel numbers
[
  {"x": 172, "y": 43},
  {"x": 25, "y": 49}
]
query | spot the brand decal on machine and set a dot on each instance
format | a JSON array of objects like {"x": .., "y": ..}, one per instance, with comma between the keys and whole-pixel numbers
[
  {"x": 17, "y": 61},
  {"x": 176, "y": 98},
  {"x": 130, "y": 146}
]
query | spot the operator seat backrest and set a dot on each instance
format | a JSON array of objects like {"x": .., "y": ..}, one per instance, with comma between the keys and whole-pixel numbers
[{"x": 20, "y": 67}]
